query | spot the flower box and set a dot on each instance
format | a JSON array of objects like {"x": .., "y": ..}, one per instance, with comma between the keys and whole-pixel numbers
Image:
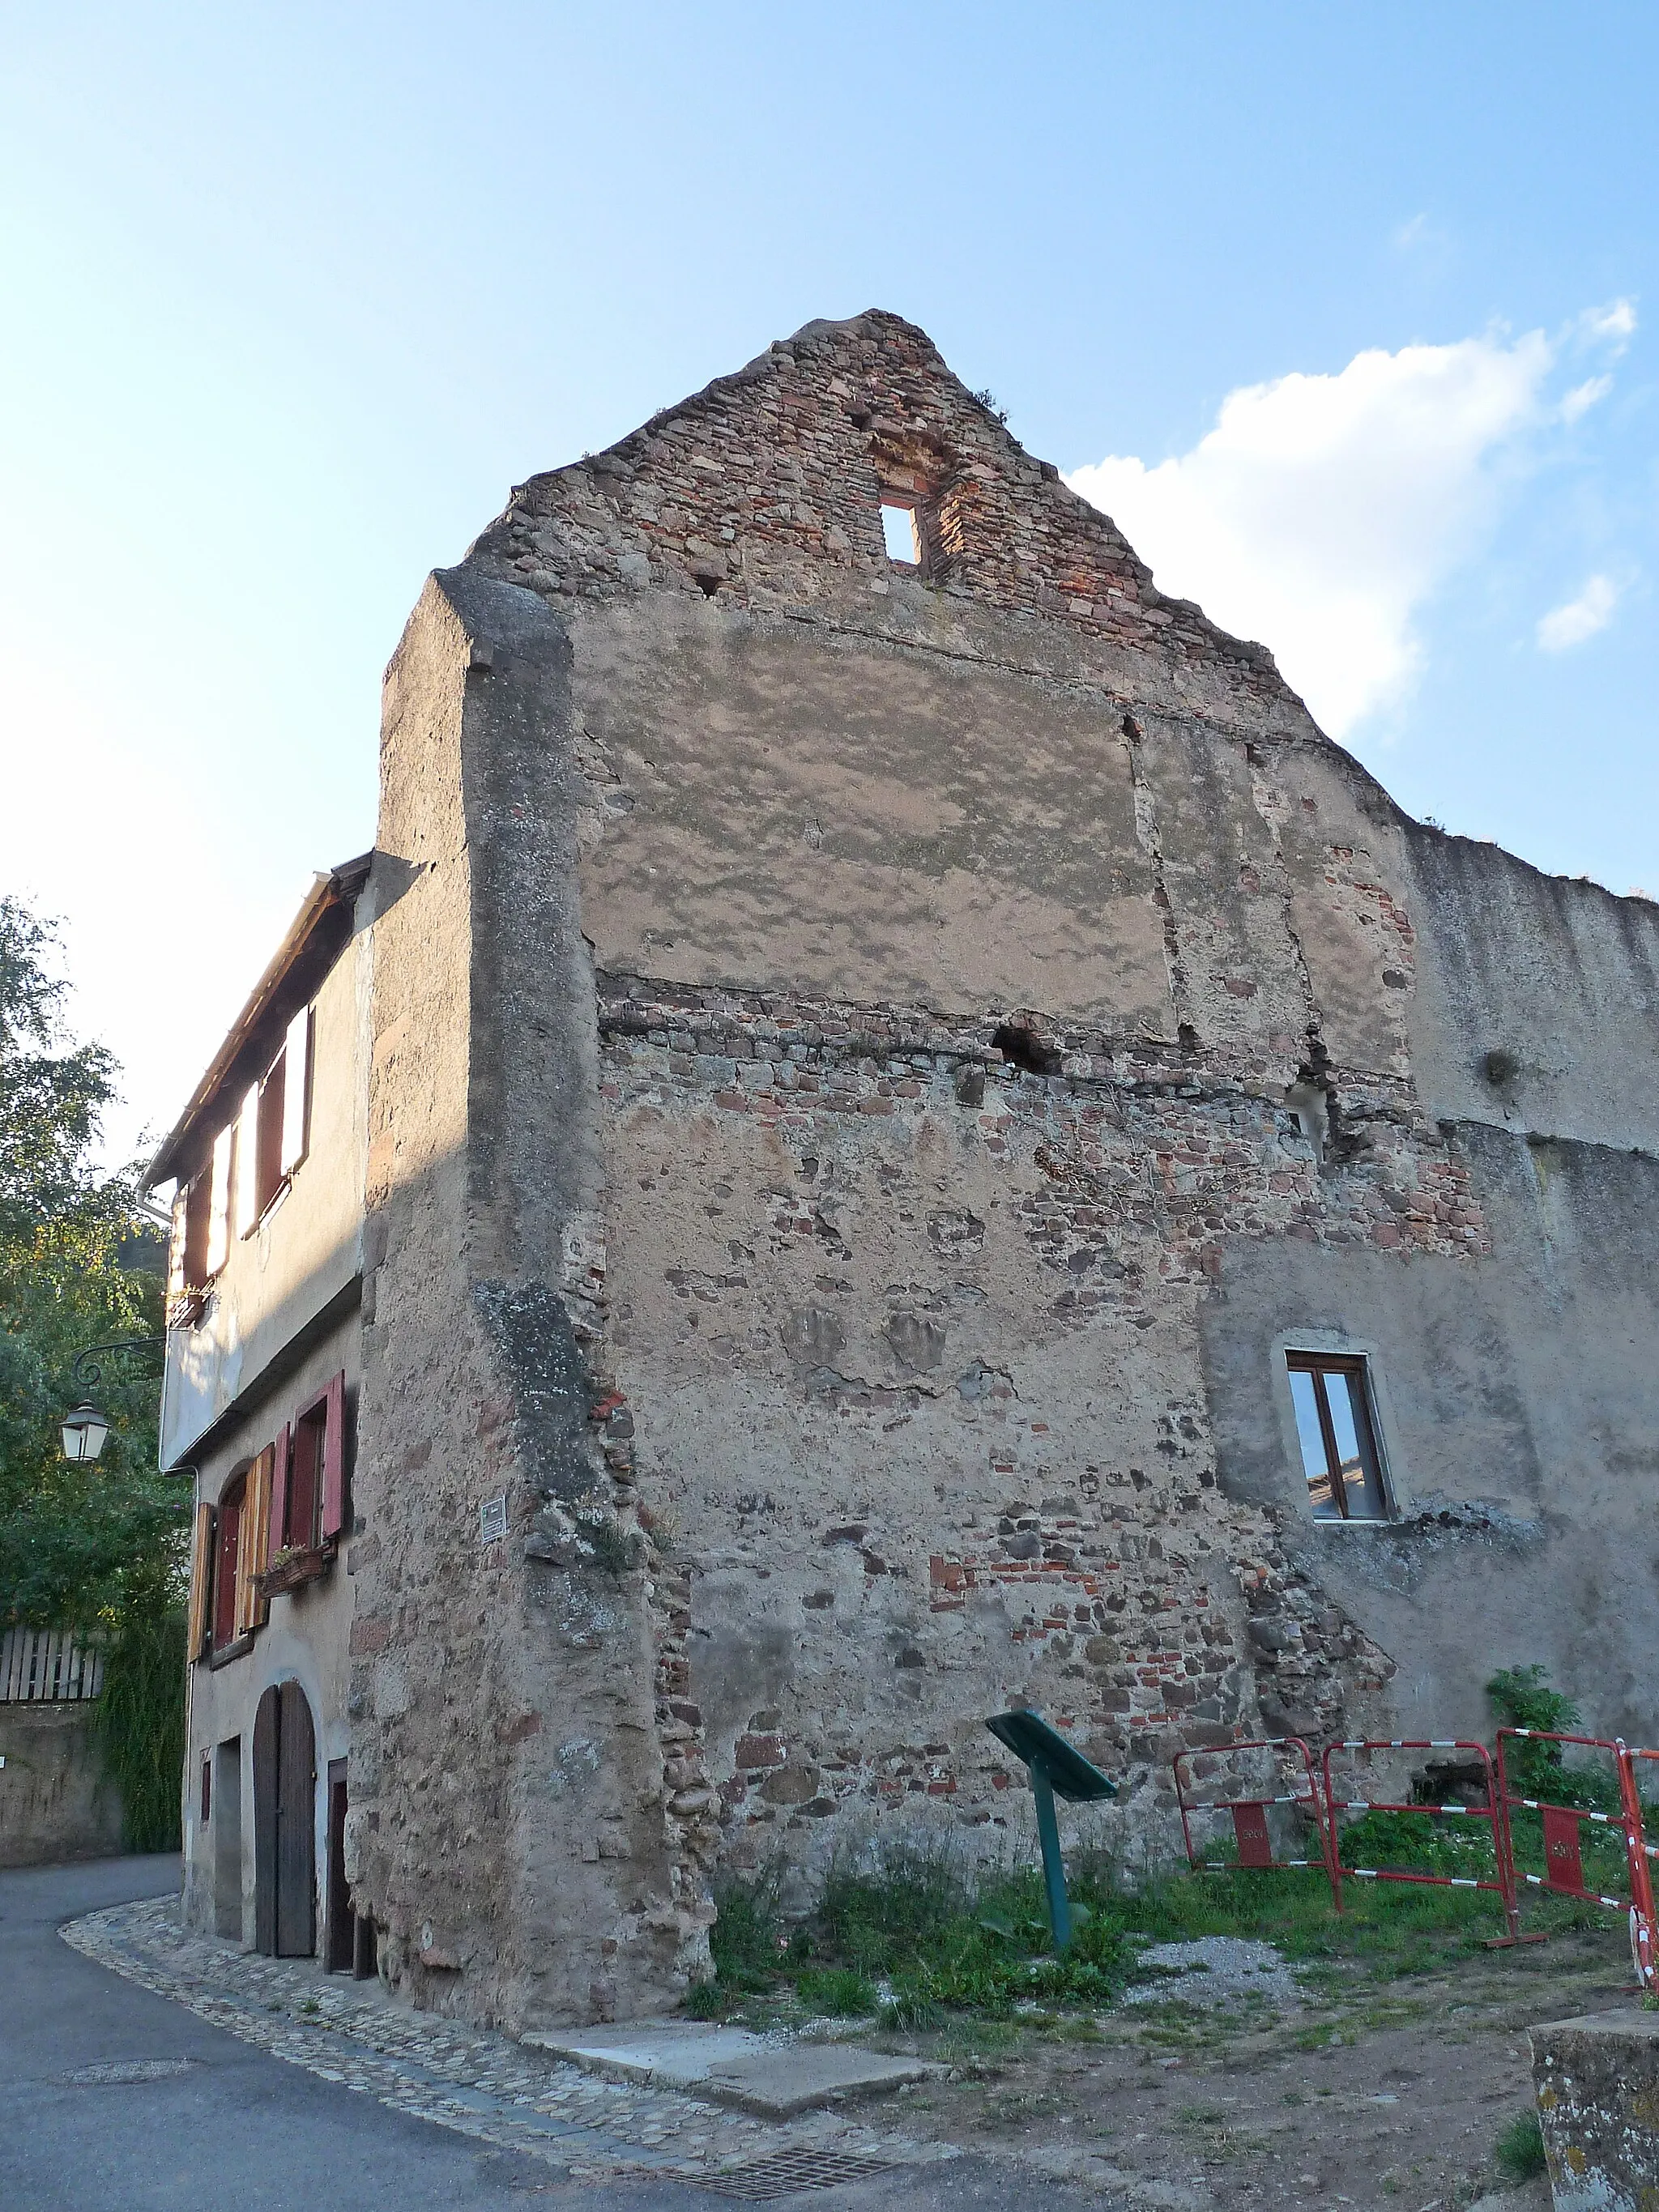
[{"x": 288, "y": 1569}]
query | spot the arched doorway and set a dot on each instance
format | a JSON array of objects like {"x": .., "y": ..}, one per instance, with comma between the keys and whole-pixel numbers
[{"x": 284, "y": 1823}]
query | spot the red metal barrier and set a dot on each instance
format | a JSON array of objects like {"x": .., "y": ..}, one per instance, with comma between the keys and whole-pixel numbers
[
  {"x": 1502, "y": 1885},
  {"x": 1256, "y": 1849},
  {"x": 1562, "y": 1829},
  {"x": 1644, "y": 1938}
]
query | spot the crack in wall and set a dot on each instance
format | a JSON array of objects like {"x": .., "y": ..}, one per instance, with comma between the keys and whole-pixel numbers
[{"x": 1146, "y": 832}]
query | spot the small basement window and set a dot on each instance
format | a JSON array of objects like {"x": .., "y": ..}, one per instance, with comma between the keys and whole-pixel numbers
[
  {"x": 902, "y": 533},
  {"x": 1338, "y": 1436}
]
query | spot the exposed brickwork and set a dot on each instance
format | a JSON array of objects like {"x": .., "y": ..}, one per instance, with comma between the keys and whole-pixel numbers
[
  {"x": 766, "y": 489},
  {"x": 1159, "y": 1615},
  {"x": 1136, "y": 1141}
]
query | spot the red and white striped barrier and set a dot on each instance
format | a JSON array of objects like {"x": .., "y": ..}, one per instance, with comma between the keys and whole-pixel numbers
[
  {"x": 1250, "y": 1831},
  {"x": 1492, "y": 1813}
]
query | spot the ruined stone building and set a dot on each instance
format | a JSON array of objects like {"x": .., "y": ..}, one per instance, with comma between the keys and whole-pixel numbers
[{"x": 891, "y": 1131}]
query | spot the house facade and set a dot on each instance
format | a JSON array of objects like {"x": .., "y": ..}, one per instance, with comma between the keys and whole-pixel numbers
[
  {"x": 260, "y": 1397},
  {"x": 923, "y": 1141}
]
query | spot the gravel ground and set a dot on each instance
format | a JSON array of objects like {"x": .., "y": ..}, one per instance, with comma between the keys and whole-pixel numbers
[{"x": 1215, "y": 1970}]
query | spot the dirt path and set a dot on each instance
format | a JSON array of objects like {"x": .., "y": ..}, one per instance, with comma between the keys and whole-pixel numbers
[{"x": 1384, "y": 2093}]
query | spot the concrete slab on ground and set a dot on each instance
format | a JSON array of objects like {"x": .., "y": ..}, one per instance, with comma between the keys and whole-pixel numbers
[{"x": 772, "y": 2076}]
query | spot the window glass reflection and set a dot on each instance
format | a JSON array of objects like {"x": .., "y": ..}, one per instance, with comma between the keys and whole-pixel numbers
[{"x": 1339, "y": 1457}]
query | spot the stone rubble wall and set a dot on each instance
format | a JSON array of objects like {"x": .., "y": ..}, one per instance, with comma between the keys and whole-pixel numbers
[
  {"x": 767, "y": 488},
  {"x": 984, "y": 1535}
]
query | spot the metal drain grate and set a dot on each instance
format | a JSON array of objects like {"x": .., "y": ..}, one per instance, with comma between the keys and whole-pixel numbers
[
  {"x": 782, "y": 2172},
  {"x": 129, "y": 2069}
]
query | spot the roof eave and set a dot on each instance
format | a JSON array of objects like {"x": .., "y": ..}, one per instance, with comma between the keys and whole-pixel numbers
[{"x": 326, "y": 892}]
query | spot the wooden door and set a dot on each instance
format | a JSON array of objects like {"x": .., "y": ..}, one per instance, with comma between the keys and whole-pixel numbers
[
  {"x": 296, "y": 1832},
  {"x": 267, "y": 1736},
  {"x": 284, "y": 1835}
]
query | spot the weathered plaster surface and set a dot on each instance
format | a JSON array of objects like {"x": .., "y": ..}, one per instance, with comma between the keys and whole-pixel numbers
[{"x": 304, "y": 1254}]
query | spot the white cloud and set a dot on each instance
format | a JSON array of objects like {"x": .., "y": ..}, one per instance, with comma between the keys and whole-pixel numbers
[
  {"x": 1321, "y": 512},
  {"x": 1576, "y": 619},
  {"x": 1583, "y": 397},
  {"x": 1613, "y": 324}
]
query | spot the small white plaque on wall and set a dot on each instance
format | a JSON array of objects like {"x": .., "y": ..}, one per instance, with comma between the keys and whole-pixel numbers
[{"x": 492, "y": 1519}]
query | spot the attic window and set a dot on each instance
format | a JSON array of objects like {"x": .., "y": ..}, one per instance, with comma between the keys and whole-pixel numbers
[{"x": 902, "y": 533}]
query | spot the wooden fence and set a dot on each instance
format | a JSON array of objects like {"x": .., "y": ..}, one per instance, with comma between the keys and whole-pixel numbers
[{"x": 47, "y": 1665}]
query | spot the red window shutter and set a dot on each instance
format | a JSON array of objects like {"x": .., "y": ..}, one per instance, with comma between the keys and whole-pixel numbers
[
  {"x": 227, "y": 1545},
  {"x": 334, "y": 1461},
  {"x": 278, "y": 1537}
]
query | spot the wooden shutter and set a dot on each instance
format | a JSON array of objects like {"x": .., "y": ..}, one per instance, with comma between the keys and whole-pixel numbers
[
  {"x": 248, "y": 1163},
  {"x": 334, "y": 1497},
  {"x": 196, "y": 1229},
  {"x": 276, "y": 1525},
  {"x": 176, "y": 1248},
  {"x": 201, "y": 1580},
  {"x": 296, "y": 1092},
  {"x": 218, "y": 1243},
  {"x": 251, "y": 1608},
  {"x": 273, "y": 1095},
  {"x": 227, "y": 1556}
]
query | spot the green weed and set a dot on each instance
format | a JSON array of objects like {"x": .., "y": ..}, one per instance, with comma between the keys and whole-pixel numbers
[
  {"x": 836, "y": 1991},
  {"x": 1518, "y": 2154}
]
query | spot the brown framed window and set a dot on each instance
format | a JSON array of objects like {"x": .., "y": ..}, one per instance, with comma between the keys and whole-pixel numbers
[
  {"x": 313, "y": 1492},
  {"x": 1331, "y": 1393}
]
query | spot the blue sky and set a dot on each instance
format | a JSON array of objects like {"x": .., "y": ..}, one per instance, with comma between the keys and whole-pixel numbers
[{"x": 1347, "y": 313}]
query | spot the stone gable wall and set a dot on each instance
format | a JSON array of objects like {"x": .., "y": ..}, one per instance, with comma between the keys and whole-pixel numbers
[{"x": 766, "y": 488}]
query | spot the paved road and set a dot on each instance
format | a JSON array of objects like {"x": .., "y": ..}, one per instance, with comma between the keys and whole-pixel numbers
[{"x": 239, "y": 2128}]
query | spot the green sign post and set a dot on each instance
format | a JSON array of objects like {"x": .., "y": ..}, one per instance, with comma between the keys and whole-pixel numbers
[{"x": 1054, "y": 1765}]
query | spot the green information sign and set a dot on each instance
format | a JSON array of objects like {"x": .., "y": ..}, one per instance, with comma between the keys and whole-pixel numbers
[{"x": 1054, "y": 1767}]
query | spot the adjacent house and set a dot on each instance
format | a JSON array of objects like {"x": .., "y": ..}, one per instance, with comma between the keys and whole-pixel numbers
[
  {"x": 889, "y": 1130},
  {"x": 260, "y": 1397}
]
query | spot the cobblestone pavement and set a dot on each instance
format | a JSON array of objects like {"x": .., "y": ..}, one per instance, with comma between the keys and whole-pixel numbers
[{"x": 473, "y": 2080}]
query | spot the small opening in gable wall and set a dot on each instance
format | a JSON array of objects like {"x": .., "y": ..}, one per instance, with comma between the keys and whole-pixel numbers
[{"x": 902, "y": 533}]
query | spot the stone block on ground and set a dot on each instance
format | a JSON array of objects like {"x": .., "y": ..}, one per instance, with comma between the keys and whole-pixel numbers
[
  {"x": 773, "y": 2077},
  {"x": 1597, "y": 2084}
]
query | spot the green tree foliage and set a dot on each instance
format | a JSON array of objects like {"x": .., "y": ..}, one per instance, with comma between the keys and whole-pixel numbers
[
  {"x": 1523, "y": 1699},
  {"x": 97, "y": 1545}
]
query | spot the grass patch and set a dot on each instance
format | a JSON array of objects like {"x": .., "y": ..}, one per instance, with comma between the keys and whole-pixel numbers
[
  {"x": 1518, "y": 2154},
  {"x": 916, "y": 1940},
  {"x": 836, "y": 1991}
]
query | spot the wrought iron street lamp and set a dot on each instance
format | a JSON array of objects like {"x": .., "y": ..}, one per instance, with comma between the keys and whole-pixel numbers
[{"x": 86, "y": 1428}]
